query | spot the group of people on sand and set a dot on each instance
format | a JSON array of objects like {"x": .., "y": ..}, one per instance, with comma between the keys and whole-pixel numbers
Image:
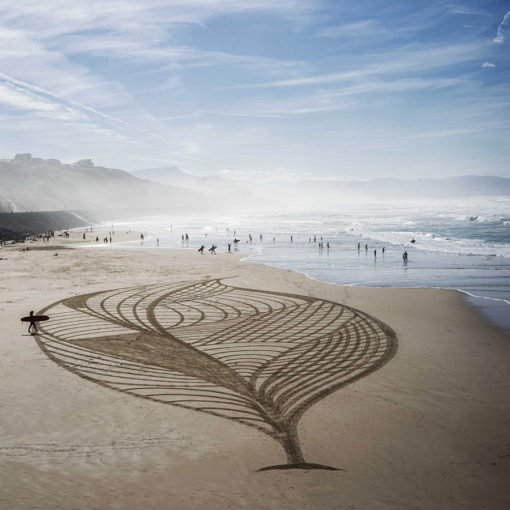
[
  {"x": 212, "y": 249},
  {"x": 315, "y": 239}
]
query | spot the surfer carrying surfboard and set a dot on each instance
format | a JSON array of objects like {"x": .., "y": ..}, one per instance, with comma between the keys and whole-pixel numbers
[
  {"x": 33, "y": 319},
  {"x": 32, "y": 324}
]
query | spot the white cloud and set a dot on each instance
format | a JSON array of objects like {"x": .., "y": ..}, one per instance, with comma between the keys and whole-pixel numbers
[
  {"x": 488, "y": 64},
  {"x": 500, "y": 35}
]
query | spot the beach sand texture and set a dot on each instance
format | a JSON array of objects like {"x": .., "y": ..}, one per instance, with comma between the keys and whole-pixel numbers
[{"x": 107, "y": 409}]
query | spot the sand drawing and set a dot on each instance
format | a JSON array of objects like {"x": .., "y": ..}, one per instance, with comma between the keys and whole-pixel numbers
[{"x": 259, "y": 358}]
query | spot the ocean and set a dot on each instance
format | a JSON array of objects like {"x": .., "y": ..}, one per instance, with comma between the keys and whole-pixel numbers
[{"x": 463, "y": 244}]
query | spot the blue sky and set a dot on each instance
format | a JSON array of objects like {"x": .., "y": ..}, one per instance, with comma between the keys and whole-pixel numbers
[{"x": 263, "y": 89}]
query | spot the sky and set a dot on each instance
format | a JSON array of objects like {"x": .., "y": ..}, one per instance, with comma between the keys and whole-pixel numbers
[{"x": 260, "y": 89}]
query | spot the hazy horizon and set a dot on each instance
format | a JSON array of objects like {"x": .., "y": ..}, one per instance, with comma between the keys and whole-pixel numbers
[{"x": 258, "y": 89}]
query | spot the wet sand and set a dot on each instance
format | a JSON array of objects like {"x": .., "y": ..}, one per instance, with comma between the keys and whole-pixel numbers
[{"x": 427, "y": 429}]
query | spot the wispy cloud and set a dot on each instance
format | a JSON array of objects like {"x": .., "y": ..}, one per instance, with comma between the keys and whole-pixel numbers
[
  {"x": 365, "y": 28},
  {"x": 142, "y": 51},
  {"x": 500, "y": 34},
  {"x": 467, "y": 10},
  {"x": 23, "y": 99},
  {"x": 27, "y": 96},
  {"x": 488, "y": 64},
  {"x": 406, "y": 60}
]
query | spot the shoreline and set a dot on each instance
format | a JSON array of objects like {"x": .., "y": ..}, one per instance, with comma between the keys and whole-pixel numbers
[
  {"x": 429, "y": 428},
  {"x": 494, "y": 320}
]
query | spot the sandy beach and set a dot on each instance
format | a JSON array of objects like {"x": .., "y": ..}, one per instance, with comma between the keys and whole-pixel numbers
[{"x": 426, "y": 428}]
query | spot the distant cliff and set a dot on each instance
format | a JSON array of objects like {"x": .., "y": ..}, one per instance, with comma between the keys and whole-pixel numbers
[
  {"x": 16, "y": 226},
  {"x": 28, "y": 183}
]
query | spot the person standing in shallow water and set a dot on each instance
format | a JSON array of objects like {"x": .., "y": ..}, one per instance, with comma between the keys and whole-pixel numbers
[{"x": 32, "y": 324}]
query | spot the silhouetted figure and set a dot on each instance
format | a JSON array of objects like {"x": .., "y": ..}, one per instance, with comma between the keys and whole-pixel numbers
[
  {"x": 249, "y": 235},
  {"x": 314, "y": 239},
  {"x": 187, "y": 237},
  {"x": 413, "y": 240},
  {"x": 110, "y": 239},
  {"x": 327, "y": 245},
  {"x": 32, "y": 324},
  {"x": 97, "y": 239},
  {"x": 157, "y": 242},
  {"x": 182, "y": 237},
  {"x": 201, "y": 250},
  {"x": 236, "y": 241},
  {"x": 83, "y": 236},
  {"x": 359, "y": 245},
  {"x": 260, "y": 237},
  {"x": 229, "y": 247},
  {"x": 274, "y": 239},
  {"x": 383, "y": 250},
  {"x": 375, "y": 253},
  {"x": 404, "y": 256},
  {"x": 212, "y": 249},
  {"x": 366, "y": 247},
  {"x": 291, "y": 239}
]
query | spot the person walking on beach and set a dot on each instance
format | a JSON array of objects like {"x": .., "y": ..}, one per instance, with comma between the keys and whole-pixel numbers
[
  {"x": 375, "y": 253},
  {"x": 201, "y": 250},
  {"x": 212, "y": 249},
  {"x": 366, "y": 247},
  {"x": 157, "y": 242},
  {"x": 32, "y": 324},
  {"x": 359, "y": 245},
  {"x": 404, "y": 256},
  {"x": 383, "y": 250},
  {"x": 229, "y": 247},
  {"x": 291, "y": 239}
]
